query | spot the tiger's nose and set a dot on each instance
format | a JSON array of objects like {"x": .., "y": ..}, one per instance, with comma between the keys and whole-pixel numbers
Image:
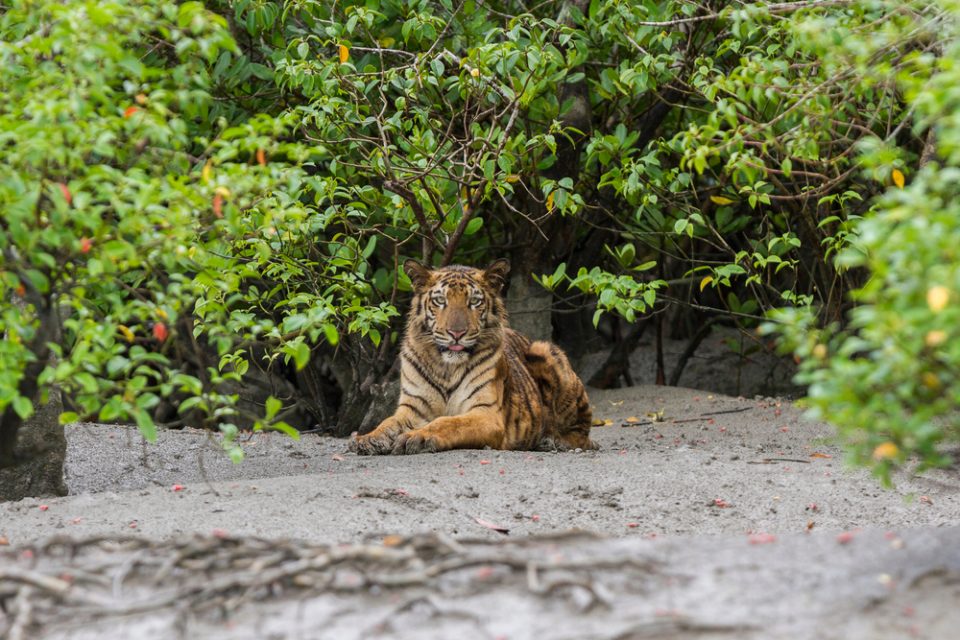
[{"x": 456, "y": 334}]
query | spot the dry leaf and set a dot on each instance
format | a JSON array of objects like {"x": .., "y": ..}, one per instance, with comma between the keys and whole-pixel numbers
[
  {"x": 492, "y": 526},
  {"x": 392, "y": 541},
  {"x": 261, "y": 157},
  {"x": 344, "y": 53}
]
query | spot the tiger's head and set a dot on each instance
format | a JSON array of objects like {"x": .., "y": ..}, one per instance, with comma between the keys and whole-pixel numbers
[{"x": 457, "y": 308}]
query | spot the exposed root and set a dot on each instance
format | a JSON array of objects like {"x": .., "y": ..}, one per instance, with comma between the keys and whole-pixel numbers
[{"x": 74, "y": 581}]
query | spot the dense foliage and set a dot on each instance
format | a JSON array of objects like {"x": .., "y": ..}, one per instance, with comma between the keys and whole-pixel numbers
[{"x": 209, "y": 197}]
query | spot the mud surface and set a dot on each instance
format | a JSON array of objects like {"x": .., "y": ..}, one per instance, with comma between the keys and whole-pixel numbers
[{"x": 757, "y": 528}]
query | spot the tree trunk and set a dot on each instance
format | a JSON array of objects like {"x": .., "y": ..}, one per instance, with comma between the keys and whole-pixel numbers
[{"x": 39, "y": 455}]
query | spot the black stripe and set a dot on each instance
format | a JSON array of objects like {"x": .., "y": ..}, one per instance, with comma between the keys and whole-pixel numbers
[
  {"x": 415, "y": 396},
  {"x": 419, "y": 413},
  {"x": 483, "y": 404},
  {"x": 535, "y": 357},
  {"x": 477, "y": 388},
  {"x": 478, "y": 374},
  {"x": 470, "y": 370},
  {"x": 526, "y": 401},
  {"x": 423, "y": 374}
]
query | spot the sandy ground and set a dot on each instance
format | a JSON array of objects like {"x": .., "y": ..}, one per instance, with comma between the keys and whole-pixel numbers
[{"x": 759, "y": 528}]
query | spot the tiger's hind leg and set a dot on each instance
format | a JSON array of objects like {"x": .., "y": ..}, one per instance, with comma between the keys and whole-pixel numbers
[{"x": 567, "y": 415}]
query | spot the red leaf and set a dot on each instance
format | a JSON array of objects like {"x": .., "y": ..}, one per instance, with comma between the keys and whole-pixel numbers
[
  {"x": 490, "y": 525},
  {"x": 43, "y": 507},
  {"x": 484, "y": 462},
  {"x": 85, "y": 245},
  {"x": 177, "y": 487},
  {"x": 218, "y": 205},
  {"x": 535, "y": 518},
  {"x": 761, "y": 538},
  {"x": 220, "y": 533},
  {"x": 845, "y": 537},
  {"x": 65, "y": 190},
  {"x": 633, "y": 525},
  {"x": 261, "y": 157},
  {"x": 129, "y": 111},
  {"x": 160, "y": 333}
]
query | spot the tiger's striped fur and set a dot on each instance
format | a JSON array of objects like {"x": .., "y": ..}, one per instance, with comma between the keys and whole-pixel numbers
[{"x": 469, "y": 381}]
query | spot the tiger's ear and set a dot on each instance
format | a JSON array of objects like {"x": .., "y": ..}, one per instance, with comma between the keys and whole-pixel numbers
[
  {"x": 495, "y": 275},
  {"x": 419, "y": 274}
]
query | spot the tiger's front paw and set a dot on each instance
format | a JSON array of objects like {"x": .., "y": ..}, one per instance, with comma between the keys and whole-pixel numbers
[
  {"x": 372, "y": 444},
  {"x": 415, "y": 442}
]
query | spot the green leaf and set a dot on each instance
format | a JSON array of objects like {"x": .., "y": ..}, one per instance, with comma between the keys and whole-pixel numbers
[
  {"x": 331, "y": 334},
  {"x": 146, "y": 425},
  {"x": 473, "y": 226},
  {"x": 23, "y": 407},
  {"x": 300, "y": 351},
  {"x": 272, "y": 407},
  {"x": 285, "y": 428}
]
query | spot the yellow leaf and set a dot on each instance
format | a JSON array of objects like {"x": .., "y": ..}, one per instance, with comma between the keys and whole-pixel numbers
[
  {"x": 125, "y": 330},
  {"x": 207, "y": 170},
  {"x": 935, "y": 338},
  {"x": 707, "y": 280},
  {"x": 344, "y": 53},
  {"x": 475, "y": 72},
  {"x": 897, "y": 176},
  {"x": 937, "y": 298},
  {"x": 720, "y": 200},
  {"x": 513, "y": 178},
  {"x": 161, "y": 313},
  {"x": 597, "y": 422},
  {"x": 885, "y": 451},
  {"x": 222, "y": 192},
  {"x": 930, "y": 380},
  {"x": 550, "y": 202}
]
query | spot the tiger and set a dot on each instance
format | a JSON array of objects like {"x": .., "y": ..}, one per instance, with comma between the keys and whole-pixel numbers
[{"x": 469, "y": 381}]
